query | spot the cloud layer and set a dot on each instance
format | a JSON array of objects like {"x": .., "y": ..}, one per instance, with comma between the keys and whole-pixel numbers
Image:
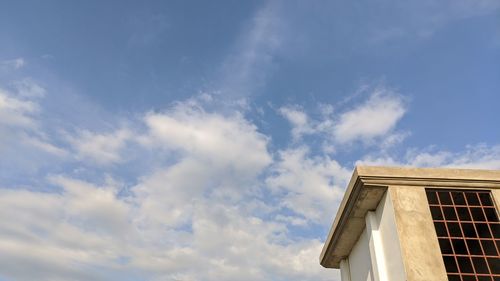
[{"x": 210, "y": 197}]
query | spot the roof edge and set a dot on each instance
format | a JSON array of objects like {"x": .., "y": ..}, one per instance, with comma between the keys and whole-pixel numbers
[{"x": 374, "y": 179}]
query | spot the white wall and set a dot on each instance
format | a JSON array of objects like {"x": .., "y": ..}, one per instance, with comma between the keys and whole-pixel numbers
[
  {"x": 381, "y": 238},
  {"x": 390, "y": 240},
  {"x": 359, "y": 260}
]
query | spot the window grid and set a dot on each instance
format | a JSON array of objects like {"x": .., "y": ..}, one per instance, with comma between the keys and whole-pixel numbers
[{"x": 468, "y": 230}]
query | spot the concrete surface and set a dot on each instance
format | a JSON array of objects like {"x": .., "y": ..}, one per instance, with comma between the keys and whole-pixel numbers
[{"x": 368, "y": 186}]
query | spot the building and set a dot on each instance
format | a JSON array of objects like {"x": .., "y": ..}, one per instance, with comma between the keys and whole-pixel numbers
[{"x": 417, "y": 224}]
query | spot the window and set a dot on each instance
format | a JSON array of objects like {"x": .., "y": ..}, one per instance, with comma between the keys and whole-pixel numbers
[{"x": 468, "y": 231}]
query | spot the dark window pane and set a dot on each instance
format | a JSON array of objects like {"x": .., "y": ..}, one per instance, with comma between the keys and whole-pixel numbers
[
  {"x": 472, "y": 198},
  {"x": 467, "y": 225},
  {"x": 489, "y": 248},
  {"x": 450, "y": 264},
  {"x": 449, "y": 213},
  {"x": 469, "y": 230},
  {"x": 480, "y": 265},
  {"x": 459, "y": 246},
  {"x": 458, "y": 198},
  {"x": 454, "y": 229},
  {"x": 494, "y": 265},
  {"x": 491, "y": 214},
  {"x": 474, "y": 247},
  {"x": 485, "y": 199},
  {"x": 445, "y": 246},
  {"x": 482, "y": 230},
  {"x": 477, "y": 214},
  {"x": 465, "y": 264},
  {"x": 495, "y": 228},
  {"x": 468, "y": 278},
  {"x": 463, "y": 213},
  {"x": 432, "y": 197},
  {"x": 440, "y": 229},
  {"x": 444, "y": 197},
  {"x": 436, "y": 213}
]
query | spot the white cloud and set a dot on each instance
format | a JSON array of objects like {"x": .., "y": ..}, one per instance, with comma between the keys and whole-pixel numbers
[
  {"x": 298, "y": 119},
  {"x": 247, "y": 67},
  {"x": 204, "y": 206},
  {"x": 14, "y": 64},
  {"x": 204, "y": 201},
  {"x": 312, "y": 186},
  {"x": 49, "y": 234},
  {"x": 480, "y": 156},
  {"x": 227, "y": 142},
  {"x": 102, "y": 149},
  {"x": 19, "y": 124},
  {"x": 375, "y": 118},
  {"x": 44, "y": 146},
  {"x": 215, "y": 195},
  {"x": 28, "y": 88},
  {"x": 373, "y": 121},
  {"x": 25, "y": 144},
  {"x": 15, "y": 112}
]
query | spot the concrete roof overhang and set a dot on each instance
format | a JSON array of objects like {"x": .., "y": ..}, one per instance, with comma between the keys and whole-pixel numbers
[{"x": 367, "y": 187}]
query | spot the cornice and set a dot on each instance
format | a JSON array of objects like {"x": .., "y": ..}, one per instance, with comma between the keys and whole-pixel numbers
[{"x": 367, "y": 187}]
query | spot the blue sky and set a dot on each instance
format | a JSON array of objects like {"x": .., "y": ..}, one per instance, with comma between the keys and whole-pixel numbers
[{"x": 213, "y": 140}]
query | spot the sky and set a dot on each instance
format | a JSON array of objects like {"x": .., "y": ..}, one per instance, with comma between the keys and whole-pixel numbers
[{"x": 213, "y": 140}]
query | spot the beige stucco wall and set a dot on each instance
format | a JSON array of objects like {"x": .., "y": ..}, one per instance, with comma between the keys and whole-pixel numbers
[
  {"x": 496, "y": 197},
  {"x": 418, "y": 240}
]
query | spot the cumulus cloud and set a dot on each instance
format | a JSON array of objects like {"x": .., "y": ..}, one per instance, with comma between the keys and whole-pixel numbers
[
  {"x": 374, "y": 118},
  {"x": 203, "y": 208},
  {"x": 298, "y": 119},
  {"x": 312, "y": 185},
  {"x": 56, "y": 236},
  {"x": 216, "y": 201},
  {"x": 100, "y": 148},
  {"x": 224, "y": 141},
  {"x": 371, "y": 121}
]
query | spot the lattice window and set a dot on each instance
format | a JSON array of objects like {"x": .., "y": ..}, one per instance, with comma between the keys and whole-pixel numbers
[{"x": 468, "y": 231}]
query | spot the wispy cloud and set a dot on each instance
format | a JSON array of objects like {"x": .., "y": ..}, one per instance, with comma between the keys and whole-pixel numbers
[
  {"x": 479, "y": 156},
  {"x": 12, "y": 64},
  {"x": 15, "y": 112},
  {"x": 247, "y": 67},
  {"x": 423, "y": 18}
]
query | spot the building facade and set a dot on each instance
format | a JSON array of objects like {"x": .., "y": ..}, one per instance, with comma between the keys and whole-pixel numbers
[{"x": 417, "y": 224}]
